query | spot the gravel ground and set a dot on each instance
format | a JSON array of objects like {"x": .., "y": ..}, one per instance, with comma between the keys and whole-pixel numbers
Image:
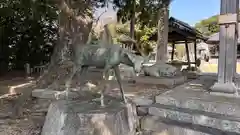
[{"x": 34, "y": 110}]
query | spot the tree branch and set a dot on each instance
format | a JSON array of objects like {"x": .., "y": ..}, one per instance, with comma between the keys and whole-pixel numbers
[
  {"x": 100, "y": 16},
  {"x": 62, "y": 5},
  {"x": 91, "y": 32}
]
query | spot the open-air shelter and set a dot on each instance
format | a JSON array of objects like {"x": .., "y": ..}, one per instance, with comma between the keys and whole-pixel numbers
[{"x": 179, "y": 33}]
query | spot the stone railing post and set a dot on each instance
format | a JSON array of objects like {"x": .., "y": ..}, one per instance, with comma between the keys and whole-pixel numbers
[{"x": 228, "y": 21}]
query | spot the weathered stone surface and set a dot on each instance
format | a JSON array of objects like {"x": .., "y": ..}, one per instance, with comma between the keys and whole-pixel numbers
[
  {"x": 192, "y": 103},
  {"x": 142, "y": 111},
  {"x": 160, "y": 70},
  {"x": 224, "y": 88},
  {"x": 168, "y": 82},
  {"x": 152, "y": 125},
  {"x": 174, "y": 131},
  {"x": 88, "y": 118},
  {"x": 52, "y": 94},
  {"x": 208, "y": 121},
  {"x": 142, "y": 101},
  {"x": 192, "y": 74},
  {"x": 201, "y": 101}
]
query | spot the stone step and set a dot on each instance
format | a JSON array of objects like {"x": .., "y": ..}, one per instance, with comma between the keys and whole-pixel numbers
[
  {"x": 227, "y": 124},
  {"x": 153, "y": 125},
  {"x": 168, "y": 82},
  {"x": 195, "y": 100}
]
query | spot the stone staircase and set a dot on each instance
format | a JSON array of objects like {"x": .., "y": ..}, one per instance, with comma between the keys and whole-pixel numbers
[{"x": 192, "y": 111}]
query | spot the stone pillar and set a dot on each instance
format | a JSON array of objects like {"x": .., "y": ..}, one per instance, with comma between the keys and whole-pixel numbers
[
  {"x": 27, "y": 69},
  {"x": 162, "y": 43},
  {"x": 228, "y": 41}
]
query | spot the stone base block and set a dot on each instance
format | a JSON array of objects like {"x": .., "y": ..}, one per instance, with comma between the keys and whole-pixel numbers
[
  {"x": 201, "y": 101},
  {"x": 193, "y": 104},
  {"x": 168, "y": 82},
  {"x": 88, "y": 118},
  {"x": 85, "y": 93},
  {"x": 52, "y": 94},
  {"x": 142, "y": 100},
  {"x": 152, "y": 125},
  {"x": 224, "y": 88},
  {"x": 209, "y": 121}
]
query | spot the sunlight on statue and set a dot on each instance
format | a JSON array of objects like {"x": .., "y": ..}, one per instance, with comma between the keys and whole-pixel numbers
[{"x": 106, "y": 57}]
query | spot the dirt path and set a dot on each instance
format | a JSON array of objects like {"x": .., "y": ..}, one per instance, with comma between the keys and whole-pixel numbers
[{"x": 14, "y": 97}]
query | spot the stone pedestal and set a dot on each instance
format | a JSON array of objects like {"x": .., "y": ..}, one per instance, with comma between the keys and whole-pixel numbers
[{"x": 88, "y": 118}]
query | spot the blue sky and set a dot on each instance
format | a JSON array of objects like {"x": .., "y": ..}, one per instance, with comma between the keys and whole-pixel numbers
[
  {"x": 189, "y": 11},
  {"x": 192, "y": 11}
]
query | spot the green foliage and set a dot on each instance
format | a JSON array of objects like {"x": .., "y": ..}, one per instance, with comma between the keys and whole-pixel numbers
[
  {"x": 146, "y": 10},
  {"x": 142, "y": 35},
  {"x": 180, "y": 49},
  {"x": 29, "y": 28},
  {"x": 146, "y": 15},
  {"x": 208, "y": 26},
  {"x": 28, "y": 31}
]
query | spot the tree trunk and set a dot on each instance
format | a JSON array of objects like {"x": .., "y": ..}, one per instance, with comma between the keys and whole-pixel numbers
[
  {"x": 74, "y": 30},
  {"x": 162, "y": 42},
  {"x": 106, "y": 36},
  {"x": 132, "y": 22}
]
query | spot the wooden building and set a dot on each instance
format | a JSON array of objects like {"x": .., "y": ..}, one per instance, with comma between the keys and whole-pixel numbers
[
  {"x": 181, "y": 32},
  {"x": 213, "y": 41}
]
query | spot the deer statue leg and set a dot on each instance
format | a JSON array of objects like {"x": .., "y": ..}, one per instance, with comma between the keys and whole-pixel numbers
[
  {"x": 69, "y": 81},
  {"x": 103, "y": 90},
  {"x": 118, "y": 77},
  {"x": 82, "y": 73}
]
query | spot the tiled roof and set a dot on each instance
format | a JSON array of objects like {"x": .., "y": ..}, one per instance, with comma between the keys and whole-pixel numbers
[{"x": 214, "y": 38}]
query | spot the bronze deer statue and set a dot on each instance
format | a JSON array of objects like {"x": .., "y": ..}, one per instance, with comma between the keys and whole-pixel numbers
[{"x": 106, "y": 58}]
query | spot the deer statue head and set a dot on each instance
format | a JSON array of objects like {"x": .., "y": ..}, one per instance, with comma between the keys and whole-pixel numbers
[{"x": 135, "y": 61}]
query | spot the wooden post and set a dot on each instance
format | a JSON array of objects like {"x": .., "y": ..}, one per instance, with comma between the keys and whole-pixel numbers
[
  {"x": 173, "y": 51},
  {"x": 228, "y": 41},
  {"x": 187, "y": 53},
  {"x": 195, "y": 52}
]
